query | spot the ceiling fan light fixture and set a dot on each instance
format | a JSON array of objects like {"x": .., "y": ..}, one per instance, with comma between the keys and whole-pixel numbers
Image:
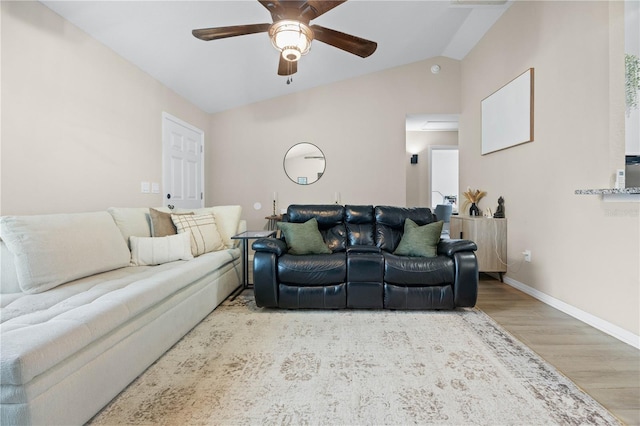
[
  {"x": 291, "y": 38},
  {"x": 291, "y": 54}
]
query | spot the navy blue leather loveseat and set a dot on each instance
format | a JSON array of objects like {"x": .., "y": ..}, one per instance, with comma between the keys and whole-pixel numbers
[{"x": 360, "y": 269}]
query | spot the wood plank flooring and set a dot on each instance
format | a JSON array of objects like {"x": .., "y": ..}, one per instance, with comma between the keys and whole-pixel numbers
[{"x": 604, "y": 367}]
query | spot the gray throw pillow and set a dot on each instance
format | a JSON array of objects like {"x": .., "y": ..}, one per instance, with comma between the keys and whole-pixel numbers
[
  {"x": 303, "y": 238},
  {"x": 420, "y": 241}
]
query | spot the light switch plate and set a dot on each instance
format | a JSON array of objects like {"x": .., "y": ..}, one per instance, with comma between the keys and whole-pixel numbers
[
  {"x": 145, "y": 187},
  {"x": 155, "y": 188}
]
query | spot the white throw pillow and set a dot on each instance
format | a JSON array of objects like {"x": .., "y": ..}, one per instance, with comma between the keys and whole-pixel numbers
[
  {"x": 203, "y": 231},
  {"x": 227, "y": 221},
  {"x": 159, "y": 250},
  {"x": 50, "y": 250}
]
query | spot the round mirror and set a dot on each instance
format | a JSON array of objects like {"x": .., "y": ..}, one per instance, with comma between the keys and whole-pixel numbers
[{"x": 304, "y": 163}]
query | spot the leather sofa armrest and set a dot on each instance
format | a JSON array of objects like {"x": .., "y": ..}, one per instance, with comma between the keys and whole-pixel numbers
[
  {"x": 363, "y": 249},
  {"x": 265, "y": 282},
  {"x": 270, "y": 245},
  {"x": 452, "y": 246},
  {"x": 465, "y": 286}
]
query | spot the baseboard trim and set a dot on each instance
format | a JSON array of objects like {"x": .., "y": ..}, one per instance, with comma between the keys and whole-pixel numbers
[{"x": 602, "y": 325}]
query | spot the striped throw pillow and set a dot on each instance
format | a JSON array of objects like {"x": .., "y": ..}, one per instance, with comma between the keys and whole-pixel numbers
[{"x": 204, "y": 232}]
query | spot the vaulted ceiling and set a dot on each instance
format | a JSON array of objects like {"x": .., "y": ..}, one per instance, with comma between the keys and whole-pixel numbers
[{"x": 223, "y": 74}]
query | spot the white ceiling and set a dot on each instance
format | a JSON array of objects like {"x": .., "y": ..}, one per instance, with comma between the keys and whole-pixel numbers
[{"x": 223, "y": 74}]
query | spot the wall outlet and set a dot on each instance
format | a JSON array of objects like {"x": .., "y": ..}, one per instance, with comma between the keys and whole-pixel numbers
[{"x": 527, "y": 255}]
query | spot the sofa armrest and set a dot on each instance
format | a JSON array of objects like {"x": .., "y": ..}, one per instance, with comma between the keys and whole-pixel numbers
[
  {"x": 270, "y": 245},
  {"x": 465, "y": 286},
  {"x": 450, "y": 247}
]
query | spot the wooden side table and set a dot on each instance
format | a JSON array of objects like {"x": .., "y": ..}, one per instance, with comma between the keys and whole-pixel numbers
[
  {"x": 489, "y": 234},
  {"x": 273, "y": 219}
]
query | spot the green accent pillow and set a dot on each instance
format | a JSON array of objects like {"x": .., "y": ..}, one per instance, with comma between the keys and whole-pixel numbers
[
  {"x": 303, "y": 238},
  {"x": 421, "y": 241}
]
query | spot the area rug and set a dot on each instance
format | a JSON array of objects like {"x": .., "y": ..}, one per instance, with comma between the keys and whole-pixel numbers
[{"x": 245, "y": 365}]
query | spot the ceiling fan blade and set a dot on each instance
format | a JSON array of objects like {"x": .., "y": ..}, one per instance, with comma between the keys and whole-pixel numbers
[
  {"x": 314, "y": 8},
  {"x": 274, "y": 7},
  {"x": 287, "y": 68},
  {"x": 348, "y": 43},
  {"x": 208, "y": 34}
]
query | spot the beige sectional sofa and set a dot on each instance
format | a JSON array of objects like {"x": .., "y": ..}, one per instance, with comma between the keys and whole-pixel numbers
[{"x": 81, "y": 317}]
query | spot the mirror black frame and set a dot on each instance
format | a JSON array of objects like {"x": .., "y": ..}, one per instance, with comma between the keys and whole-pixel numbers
[{"x": 312, "y": 153}]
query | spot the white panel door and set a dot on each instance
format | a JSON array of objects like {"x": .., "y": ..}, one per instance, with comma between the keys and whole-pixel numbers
[{"x": 183, "y": 160}]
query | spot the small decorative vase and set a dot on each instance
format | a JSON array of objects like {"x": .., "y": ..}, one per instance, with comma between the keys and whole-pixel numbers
[{"x": 474, "y": 210}]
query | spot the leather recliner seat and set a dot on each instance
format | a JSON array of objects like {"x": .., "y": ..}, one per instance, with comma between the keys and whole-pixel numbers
[{"x": 361, "y": 271}]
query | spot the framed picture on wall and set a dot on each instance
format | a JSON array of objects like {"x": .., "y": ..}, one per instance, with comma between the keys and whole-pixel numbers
[{"x": 507, "y": 115}]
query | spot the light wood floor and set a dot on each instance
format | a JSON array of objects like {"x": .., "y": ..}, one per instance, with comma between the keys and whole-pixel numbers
[{"x": 601, "y": 365}]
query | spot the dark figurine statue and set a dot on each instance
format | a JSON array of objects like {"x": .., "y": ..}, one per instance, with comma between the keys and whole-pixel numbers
[{"x": 499, "y": 214}]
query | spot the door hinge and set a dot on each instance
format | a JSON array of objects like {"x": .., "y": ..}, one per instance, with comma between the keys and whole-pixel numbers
[{"x": 201, "y": 196}]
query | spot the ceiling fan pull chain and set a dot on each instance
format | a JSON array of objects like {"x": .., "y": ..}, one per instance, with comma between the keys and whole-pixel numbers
[{"x": 289, "y": 78}]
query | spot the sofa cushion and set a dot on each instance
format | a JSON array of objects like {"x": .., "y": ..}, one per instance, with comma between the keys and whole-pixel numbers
[
  {"x": 203, "y": 231},
  {"x": 303, "y": 238},
  {"x": 419, "y": 240},
  {"x": 8, "y": 275},
  {"x": 360, "y": 224},
  {"x": 312, "y": 270},
  {"x": 131, "y": 221},
  {"x": 159, "y": 250},
  {"x": 418, "y": 271},
  {"x": 50, "y": 250},
  {"x": 330, "y": 219},
  {"x": 390, "y": 223},
  {"x": 418, "y": 297},
  {"x": 40, "y": 331},
  {"x": 327, "y": 215}
]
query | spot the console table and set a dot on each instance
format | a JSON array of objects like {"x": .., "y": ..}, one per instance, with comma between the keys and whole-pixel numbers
[{"x": 489, "y": 234}]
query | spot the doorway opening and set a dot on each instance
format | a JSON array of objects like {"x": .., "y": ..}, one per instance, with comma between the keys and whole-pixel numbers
[
  {"x": 432, "y": 160},
  {"x": 444, "y": 176}
]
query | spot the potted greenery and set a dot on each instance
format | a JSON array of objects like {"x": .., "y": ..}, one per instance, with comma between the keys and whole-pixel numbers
[{"x": 632, "y": 81}]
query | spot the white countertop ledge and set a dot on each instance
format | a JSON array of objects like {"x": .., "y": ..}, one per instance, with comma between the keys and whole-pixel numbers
[
  {"x": 607, "y": 191},
  {"x": 623, "y": 195}
]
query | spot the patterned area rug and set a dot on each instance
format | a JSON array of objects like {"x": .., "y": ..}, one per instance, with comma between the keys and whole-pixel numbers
[{"x": 246, "y": 365}]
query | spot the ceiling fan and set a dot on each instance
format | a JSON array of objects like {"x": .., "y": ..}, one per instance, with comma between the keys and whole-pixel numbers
[{"x": 291, "y": 33}]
